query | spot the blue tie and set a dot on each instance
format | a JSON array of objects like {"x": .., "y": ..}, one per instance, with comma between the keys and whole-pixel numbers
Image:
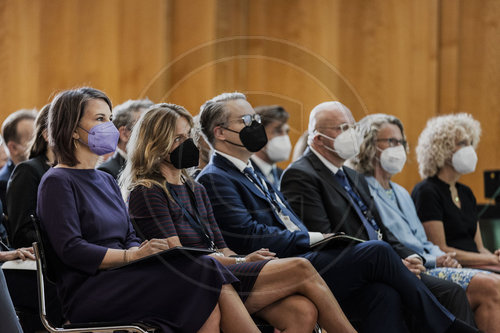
[{"x": 363, "y": 212}]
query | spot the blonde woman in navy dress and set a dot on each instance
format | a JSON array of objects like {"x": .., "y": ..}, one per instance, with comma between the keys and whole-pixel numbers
[
  {"x": 165, "y": 202},
  {"x": 82, "y": 212}
]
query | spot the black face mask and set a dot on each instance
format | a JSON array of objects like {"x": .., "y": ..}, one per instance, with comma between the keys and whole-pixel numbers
[
  {"x": 253, "y": 137},
  {"x": 186, "y": 155}
]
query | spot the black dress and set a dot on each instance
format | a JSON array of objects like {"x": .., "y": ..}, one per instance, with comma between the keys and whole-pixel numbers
[
  {"x": 156, "y": 216},
  {"x": 434, "y": 203},
  {"x": 83, "y": 214}
]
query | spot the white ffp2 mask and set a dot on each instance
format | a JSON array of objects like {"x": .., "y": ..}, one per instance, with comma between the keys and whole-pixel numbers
[
  {"x": 346, "y": 144},
  {"x": 464, "y": 160},
  {"x": 279, "y": 148},
  {"x": 393, "y": 159}
]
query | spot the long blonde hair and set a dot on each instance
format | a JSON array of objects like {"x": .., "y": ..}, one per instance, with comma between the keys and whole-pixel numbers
[{"x": 151, "y": 139}]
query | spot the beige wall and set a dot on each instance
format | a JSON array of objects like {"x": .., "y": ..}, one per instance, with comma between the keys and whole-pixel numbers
[{"x": 414, "y": 59}]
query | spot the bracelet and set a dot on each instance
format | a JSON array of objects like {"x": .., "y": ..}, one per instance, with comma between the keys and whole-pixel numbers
[
  {"x": 125, "y": 259},
  {"x": 240, "y": 260}
]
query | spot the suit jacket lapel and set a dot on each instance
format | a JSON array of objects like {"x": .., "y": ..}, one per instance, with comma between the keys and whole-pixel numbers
[
  {"x": 326, "y": 174},
  {"x": 355, "y": 182},
  {"x": 402, "y": 203},
  {"x": 380, "y": 192},
  {"x": 230, "y": 168}
]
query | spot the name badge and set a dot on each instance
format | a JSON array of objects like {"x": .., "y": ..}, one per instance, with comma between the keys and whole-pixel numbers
[{"x": 288, "y": 222}]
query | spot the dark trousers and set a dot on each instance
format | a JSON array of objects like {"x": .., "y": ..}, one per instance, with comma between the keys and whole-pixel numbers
[
  {"x": 373, "y": 286},
  {"x": 452, "y": 296}
]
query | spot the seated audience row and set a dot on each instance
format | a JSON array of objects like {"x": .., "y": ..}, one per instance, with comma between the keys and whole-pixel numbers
[
  {"x": 166, "y": 203},
  {"x": 236, "y": 202},
  {"x": 89, "y": 230},
  {"x": 382, "y": 155}
]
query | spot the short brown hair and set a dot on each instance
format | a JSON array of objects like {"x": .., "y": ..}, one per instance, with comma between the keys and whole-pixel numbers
[
  {"x": 66, "y": 110},
  {"x": 9, "y": 126},
  {"x": 213, "y": 113},
  {"x": 270, "y": 113},
  {"x": 123, "y": 113},
  {"x": 39, "y": 145}
]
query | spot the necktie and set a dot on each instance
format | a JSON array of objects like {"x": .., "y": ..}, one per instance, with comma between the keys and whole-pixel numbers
[
  {"x": 361, "y": 209},
  {"x": 281, "y": 210}
]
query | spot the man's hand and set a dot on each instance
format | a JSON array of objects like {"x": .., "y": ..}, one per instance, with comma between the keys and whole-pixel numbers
[
  {"x": 22, "y": 253},
  {"x": 415, "y": 265}
]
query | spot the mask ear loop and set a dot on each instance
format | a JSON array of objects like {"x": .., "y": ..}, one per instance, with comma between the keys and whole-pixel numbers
[{"x": 329, "y": 138}]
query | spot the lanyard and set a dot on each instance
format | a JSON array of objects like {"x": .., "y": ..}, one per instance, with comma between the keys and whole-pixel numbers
[
  {"x": 2, "y": 244},
  {"x": 195, "y": 219},
  {"x": 261, "y": 185}
]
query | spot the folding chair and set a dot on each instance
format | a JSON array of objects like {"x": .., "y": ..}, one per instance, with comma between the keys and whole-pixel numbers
[
  {"x": 44, "y": 267},
  {"x": 109, "y": 327}
]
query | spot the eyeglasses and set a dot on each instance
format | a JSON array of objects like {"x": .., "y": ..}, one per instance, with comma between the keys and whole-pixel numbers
[
  {"x": 342, "y": 127},
  {"x": 248, "y": 119},
  {"x": 393, "y": 142}
]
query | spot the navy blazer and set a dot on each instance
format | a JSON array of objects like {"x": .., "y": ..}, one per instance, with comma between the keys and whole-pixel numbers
[
  {"x": 279, "y": 172},
  {"x": 325, "y": 206},
  {"x": 242, "y": 212}
]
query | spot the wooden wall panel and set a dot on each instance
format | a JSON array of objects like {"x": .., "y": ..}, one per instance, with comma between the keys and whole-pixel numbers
[
  {"x": 470, "y": 74},
  {"x": 413, "y": 59},
  {"x": 46, "y": 46}
]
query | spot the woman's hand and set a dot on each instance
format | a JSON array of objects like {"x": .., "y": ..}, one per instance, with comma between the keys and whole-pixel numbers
[
  {"x": 262, "y": 254},
  {"x": 147, "y": 248},
  {"x": 497, "y": 253},
  {"x": 22, "y": 253},
  {"x": 448, "y": 260},
  {"x": 494, "y": 257}
]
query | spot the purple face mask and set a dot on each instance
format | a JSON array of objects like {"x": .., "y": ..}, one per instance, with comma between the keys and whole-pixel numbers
[{"x": 102, "y": 138}]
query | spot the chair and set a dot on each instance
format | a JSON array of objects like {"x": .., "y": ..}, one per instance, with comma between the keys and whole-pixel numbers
[
  {"x": 84, "y": 327},
  {"x": 44, "y": 268}
]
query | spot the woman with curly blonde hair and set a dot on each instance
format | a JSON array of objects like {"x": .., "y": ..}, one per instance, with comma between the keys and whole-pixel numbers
[
  {"x": 447, "y": 208},
  {"x": 382, "y": 155}
]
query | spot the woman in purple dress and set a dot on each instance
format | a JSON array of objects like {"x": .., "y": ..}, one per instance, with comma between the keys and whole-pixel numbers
[
  {"x": 88, "y": 228},
  {"x": 166, "y": 203}
]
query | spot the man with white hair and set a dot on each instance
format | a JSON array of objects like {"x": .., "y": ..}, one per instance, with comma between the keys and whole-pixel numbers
[
  {"x": 368, "y": 279},
  {"x": 330, "y": 197}
]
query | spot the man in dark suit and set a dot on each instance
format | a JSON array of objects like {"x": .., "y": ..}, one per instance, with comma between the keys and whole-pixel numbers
[
  {"x": 17, "y": 132},
  {"x": 368, "y": 279},
  {"x": 328, "y": 202},
  {"x": 274, "y": 118},
  {"x": 125, "y": 116}
]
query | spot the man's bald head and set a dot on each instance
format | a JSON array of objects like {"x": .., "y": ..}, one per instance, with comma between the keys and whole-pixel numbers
[{"x": 328, "y": 114}]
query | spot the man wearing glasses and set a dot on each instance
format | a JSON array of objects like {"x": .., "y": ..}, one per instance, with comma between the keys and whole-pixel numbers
[
  {"x": 330, "y": 197},
  {"x": 368, "y": 279}
]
